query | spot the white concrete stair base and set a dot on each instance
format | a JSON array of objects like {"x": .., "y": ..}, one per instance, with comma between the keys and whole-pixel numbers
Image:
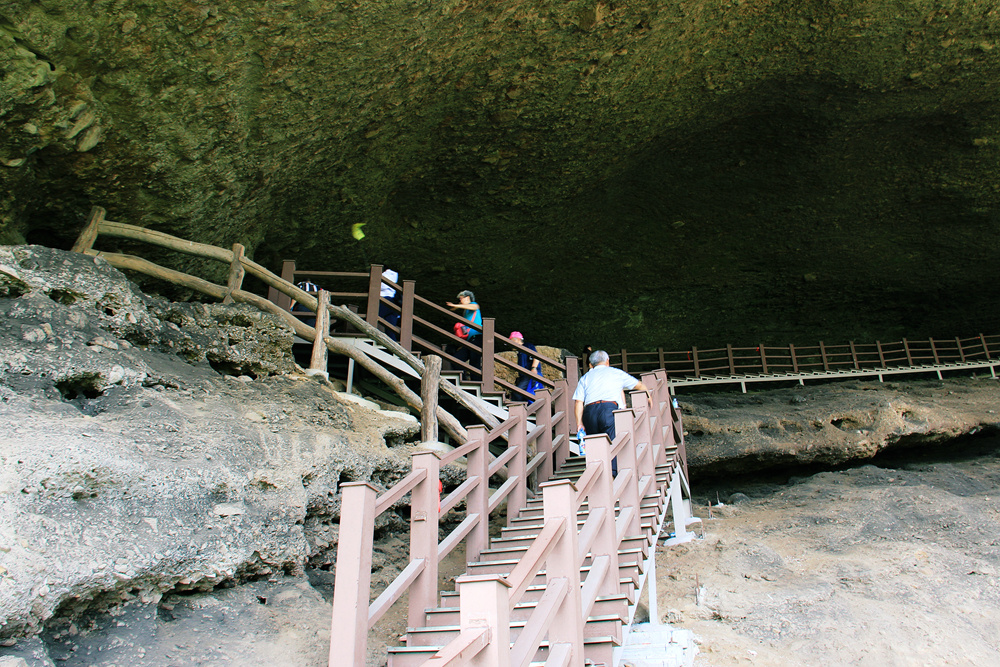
[{"x": 650, "y": 645}]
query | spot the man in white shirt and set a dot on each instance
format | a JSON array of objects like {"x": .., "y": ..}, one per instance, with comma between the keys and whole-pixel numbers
[{"x": 598, "y": 394}]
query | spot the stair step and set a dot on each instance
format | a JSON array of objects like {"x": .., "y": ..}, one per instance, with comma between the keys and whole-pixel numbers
[
  {"x": 625, "y": 554},
  {"x": 598, "y": 650},
  {"x": 628, "y": 573},
  {"x": 510, "y": 544},
  {"x": 604, "y": 606},
  {"x": 596, "y": 626},
  {"x": 532, "y": 594}
]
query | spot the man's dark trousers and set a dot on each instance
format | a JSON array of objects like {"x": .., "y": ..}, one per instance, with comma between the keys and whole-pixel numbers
[{"x": 599, "y": 417}]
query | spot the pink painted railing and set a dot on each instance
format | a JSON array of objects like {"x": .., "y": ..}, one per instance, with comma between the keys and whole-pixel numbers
[
  {"x": 547, "y": 442},
  {"x": 649, "y": 436}
]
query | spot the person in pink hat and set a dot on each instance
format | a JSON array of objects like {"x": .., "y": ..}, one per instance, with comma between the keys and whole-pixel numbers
[{"x": 527, "y": 382}]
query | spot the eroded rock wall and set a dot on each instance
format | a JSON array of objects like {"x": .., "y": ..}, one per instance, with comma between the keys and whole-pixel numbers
[
  {"x": 706, "y": 172},
  {"x": 148, "y": 447}
]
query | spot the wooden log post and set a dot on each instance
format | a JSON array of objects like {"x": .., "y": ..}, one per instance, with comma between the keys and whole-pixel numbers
[
  {"x": 318, "y": 360},
  {"x": 909, "y": 355},
  {"x": 986, "y": 348},
  {"x": 732, "y": 360},
  {"x": 854, "y": 356},
  {"x": 763, "y": 358},
  {"x": 429, "y": 384},
  {"x": 694, "y": 359},
  {"x": 822, "y": 355},
  {"x": 961, "y": 352},
  {"x": 352, "y": 583},
  {"x": 236, "y": 273},
  {"x": 795, "y": 362},
  {"x": 89, "y": 234},
  {"x": 881, "y": 354},
  {"x": 934, "y": 352}
]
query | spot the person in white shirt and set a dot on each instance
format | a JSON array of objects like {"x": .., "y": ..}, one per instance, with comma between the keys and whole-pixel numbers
[{"x": 599, "y": 393}]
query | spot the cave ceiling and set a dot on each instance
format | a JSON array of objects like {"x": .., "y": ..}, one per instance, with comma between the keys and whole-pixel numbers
[{"x": 637, "y": 174}]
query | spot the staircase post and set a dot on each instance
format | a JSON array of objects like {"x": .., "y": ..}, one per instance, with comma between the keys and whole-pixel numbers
[
  {"x": 406, "y": 316},
  {"x": 478, "y": 501},
  {"x": 602, "y": 497},
  {"x": 425, "y": 507},
  {"x": 483, "y": 603},
  {"x": 374, "y": 294},
  {"x": 489, "y": 347},
  {"x": 352, "y": 584},
  {"x": 276, "y": 296},
  {"x": 560, "y": 502},
  {"x": 626, "y": 422},
  {"x": 543, "y": 444},
  {"x": 661, "y": 414},
  {"x": 565, "y": 406},
  {"x": 518, "y": 438}
]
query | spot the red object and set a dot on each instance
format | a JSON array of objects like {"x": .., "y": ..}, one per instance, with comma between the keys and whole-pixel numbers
[{"x": 461, "y": 330}]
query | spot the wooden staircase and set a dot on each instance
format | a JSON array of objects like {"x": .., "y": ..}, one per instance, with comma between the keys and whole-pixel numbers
[
  {"x": 560, "y": 583},
  {"x": 608, "y": 620}
]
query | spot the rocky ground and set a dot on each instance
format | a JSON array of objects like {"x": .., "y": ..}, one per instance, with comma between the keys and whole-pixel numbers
[
  {"x": 890, "y": 563},
  {"x": 168, "y": 497}
]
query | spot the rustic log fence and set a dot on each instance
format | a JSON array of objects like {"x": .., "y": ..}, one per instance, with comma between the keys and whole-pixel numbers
[{"x": 318, "y": 333}]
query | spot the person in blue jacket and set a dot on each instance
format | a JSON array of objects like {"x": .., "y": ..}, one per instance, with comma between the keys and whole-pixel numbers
[
  {"x": 527, "y": 382},
  {"x": 469, "y": 309}
]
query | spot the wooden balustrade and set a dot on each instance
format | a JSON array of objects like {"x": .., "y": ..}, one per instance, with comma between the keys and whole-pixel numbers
[
  {"x": 426, "y": 509},
  {"x": 645, "y": 434}
]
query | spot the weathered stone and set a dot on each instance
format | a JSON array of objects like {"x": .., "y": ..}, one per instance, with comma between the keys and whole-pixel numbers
[{"x": 705, "y": 173}]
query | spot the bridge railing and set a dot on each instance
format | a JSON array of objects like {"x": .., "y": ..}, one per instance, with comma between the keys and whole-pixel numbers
[{"x": 768, "y": 359}]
